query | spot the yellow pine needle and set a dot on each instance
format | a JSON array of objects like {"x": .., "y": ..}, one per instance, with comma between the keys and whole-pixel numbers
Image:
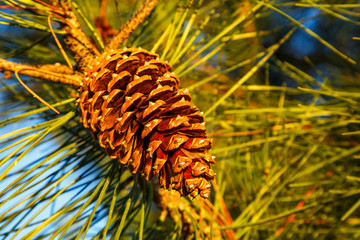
[
  {"x": 58, "y": 43},
  {"x": 32, "y": 92}
]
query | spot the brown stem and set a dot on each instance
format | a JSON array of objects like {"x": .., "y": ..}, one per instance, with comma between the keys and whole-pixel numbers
[
  {"x": 54, "y": 73},
  {"x": 132, "y": 24},
  {"x": 57, "y": 68},
  {"x": 80, "y": 46}
]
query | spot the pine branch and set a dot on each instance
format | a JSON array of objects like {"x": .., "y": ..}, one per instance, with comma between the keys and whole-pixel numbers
[
  {"x": 132, "y": 24},
  {"x": 54, "y": 73},
  {"x": 79, "y": 44}
]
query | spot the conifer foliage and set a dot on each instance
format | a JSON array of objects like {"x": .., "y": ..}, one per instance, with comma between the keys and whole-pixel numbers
[{"x": 103, "y": 105}]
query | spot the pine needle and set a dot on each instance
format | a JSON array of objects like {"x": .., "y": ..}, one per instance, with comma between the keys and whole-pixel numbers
[{"x": 32, "y": 92}]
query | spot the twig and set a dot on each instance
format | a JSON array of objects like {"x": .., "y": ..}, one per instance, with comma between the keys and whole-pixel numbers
[
  {"x": 82, "y": 49},
  {"x": 54, "y": 73},
  {"x": 132, "y": 24}
]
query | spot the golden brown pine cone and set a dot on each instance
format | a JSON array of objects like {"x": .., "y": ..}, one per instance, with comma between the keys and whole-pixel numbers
[{"x": 132, "y": 104}]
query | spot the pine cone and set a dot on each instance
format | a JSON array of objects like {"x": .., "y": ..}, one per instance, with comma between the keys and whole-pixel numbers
[{"x": 132, "y": 104}]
